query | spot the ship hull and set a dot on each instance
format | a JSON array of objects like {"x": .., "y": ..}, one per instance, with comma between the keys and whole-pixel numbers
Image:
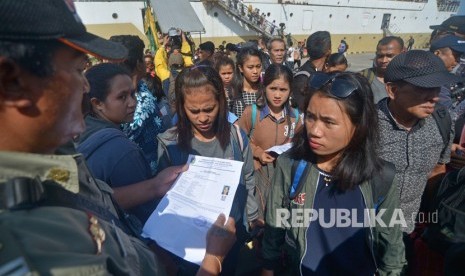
[{"x": 359, "y": 22}]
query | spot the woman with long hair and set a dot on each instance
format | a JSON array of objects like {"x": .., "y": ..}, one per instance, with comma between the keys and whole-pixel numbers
[
  {"x": 328, "y": 188},
  {"x": 225, "y": 67},
  {"x": 249, "y": 66},
  {"x": 203, "y": 129},
  {"x": 111, "y": 156}
]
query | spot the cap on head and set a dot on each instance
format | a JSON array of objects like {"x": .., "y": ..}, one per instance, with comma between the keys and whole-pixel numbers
[
  {"x": 451, "y": 41},
  {"x": 419, "y": 68},
  {"x": 452, "y": 24},
  {"x": 207, "y": 46},
  {"x": 53, "y": 19}
]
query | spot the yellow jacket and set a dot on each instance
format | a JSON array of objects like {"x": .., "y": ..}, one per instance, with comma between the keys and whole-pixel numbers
[{"x": 161, "y": 60}]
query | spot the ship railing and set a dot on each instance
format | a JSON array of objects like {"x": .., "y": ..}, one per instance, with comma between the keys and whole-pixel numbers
[
  {"x": 448, "y": 6},
  {"x": 253, "y": 18}
]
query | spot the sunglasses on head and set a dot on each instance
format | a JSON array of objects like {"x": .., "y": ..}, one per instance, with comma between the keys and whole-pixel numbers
[{"x": 339, "y": 87}]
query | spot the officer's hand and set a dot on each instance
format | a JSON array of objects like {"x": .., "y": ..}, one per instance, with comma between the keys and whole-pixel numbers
[
  {"x": 266, "y": 158},
  {"x": 166, "y": 178}
]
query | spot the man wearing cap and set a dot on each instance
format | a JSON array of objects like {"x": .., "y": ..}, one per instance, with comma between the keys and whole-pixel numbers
[
  {"x": 318, "y": 49},
  {"x": 412, "y": 136},
  {"x": 449, "y": 48},
  {"x": 453, "y": 25},
  {"x": 55, "y": 218},
  {"x": 388, "y": 47},
  {"x": 207, "y": 49}
]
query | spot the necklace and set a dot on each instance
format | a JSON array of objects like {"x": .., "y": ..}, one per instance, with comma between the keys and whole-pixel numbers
[{"x": 326, "y": 178}]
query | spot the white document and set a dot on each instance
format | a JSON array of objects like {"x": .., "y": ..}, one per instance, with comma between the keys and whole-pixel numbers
[
  {"x": 280, "y": 148},
  {"x": 180, "y": 222}
]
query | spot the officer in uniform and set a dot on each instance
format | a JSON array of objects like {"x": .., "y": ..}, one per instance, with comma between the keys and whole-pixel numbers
[{"x": 55, "y": 218}]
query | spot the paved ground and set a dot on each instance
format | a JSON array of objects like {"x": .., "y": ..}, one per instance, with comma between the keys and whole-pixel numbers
[{"x": 357, "y": 62}]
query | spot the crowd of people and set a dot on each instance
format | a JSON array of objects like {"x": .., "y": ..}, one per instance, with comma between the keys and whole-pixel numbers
[{"x": 88, "y": 150}]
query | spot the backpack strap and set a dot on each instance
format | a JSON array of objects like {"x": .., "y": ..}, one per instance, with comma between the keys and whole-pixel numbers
[
  {"x": 254, "y": 117},
  {"x": 381, "y": 183},
  {"x": 22, "y": 193},
  {"x": 369, "y": 74},
  {"x": 298, "y": 169},
  {"x": 444, "y": 122},
  {"x": 239, "y": 142},
  {"x": 297, "y": 115}
]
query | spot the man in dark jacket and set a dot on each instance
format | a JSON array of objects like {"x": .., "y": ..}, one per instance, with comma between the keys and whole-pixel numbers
[{"x": 318, "y": 49}]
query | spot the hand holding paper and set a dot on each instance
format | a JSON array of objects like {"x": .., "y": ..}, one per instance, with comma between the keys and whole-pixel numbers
[{"x": 181, "y": 220}]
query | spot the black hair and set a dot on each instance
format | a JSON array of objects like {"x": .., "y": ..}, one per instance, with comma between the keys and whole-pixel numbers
[
  {"x": 34, "y": 56},
  {"x": 193, "y": 77},
  {"x": 388, "y": 39},
  {"x": 273, "y": 72},
  {"x": 336, "y": 59},
  {"x": 241, "y": 57},
  {"x": 135, "y": 47},
  {"x": 99, "y": 78},
  {"x": 359, "y": 161},
  {"x": 318, "y": 44}
]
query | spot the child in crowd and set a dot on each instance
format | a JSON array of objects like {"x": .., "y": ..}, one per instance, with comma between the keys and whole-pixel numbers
[
  {"x": 270, "y": 122},
  {"x": 249, "y": 64},
  {"x": 336, "y": 62},
  {"x": 110, "y": 155},
  {"x": 225, "y": 67},
  {"x": 203, "y": 129}
]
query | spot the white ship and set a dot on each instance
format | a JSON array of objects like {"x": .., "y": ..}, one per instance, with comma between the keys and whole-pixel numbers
[{"x": 360, "y": 22}]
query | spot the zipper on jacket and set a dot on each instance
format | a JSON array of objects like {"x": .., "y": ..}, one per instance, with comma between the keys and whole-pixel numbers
[
  {"x": 371, "y": 236},
  {"x": 306, "y": 230}
]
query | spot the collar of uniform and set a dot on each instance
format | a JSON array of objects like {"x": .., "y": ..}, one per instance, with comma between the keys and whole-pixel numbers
[
  {"x": 265, "y": 111},
  {"x": 383, "y": 106},
  {"x": 60, "y": 168}
]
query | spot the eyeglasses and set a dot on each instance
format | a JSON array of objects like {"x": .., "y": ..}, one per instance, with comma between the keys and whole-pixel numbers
[{"x": 339, "y": 87}]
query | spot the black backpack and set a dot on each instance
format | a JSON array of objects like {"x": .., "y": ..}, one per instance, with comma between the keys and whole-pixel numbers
[{"x": 448, "y": 227}]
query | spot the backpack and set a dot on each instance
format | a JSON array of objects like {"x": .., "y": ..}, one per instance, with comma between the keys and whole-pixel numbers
[
  {"x": 254, "y": 117},
  {"x": 444, "y": 122},
  {"x": 380, "y": 182},
  {"x": 369, "y": 74},
  {"x": 449, "y": 205}
]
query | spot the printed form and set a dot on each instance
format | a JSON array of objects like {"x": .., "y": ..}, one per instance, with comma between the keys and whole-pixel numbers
[{"x": 181, "y": 220}]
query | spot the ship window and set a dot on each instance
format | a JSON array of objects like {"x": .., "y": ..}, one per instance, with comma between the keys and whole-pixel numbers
[
  {"x": 114, "y": 15},
  {"x": 347, "y": 16},
  {"x": 330, "y": 15},
  {"x": 268, "y": 14},
  {"x": 291, "y": 14}
]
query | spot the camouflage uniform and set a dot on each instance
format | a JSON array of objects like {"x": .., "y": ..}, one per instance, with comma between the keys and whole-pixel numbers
[{"x": 52, "y": 239}]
